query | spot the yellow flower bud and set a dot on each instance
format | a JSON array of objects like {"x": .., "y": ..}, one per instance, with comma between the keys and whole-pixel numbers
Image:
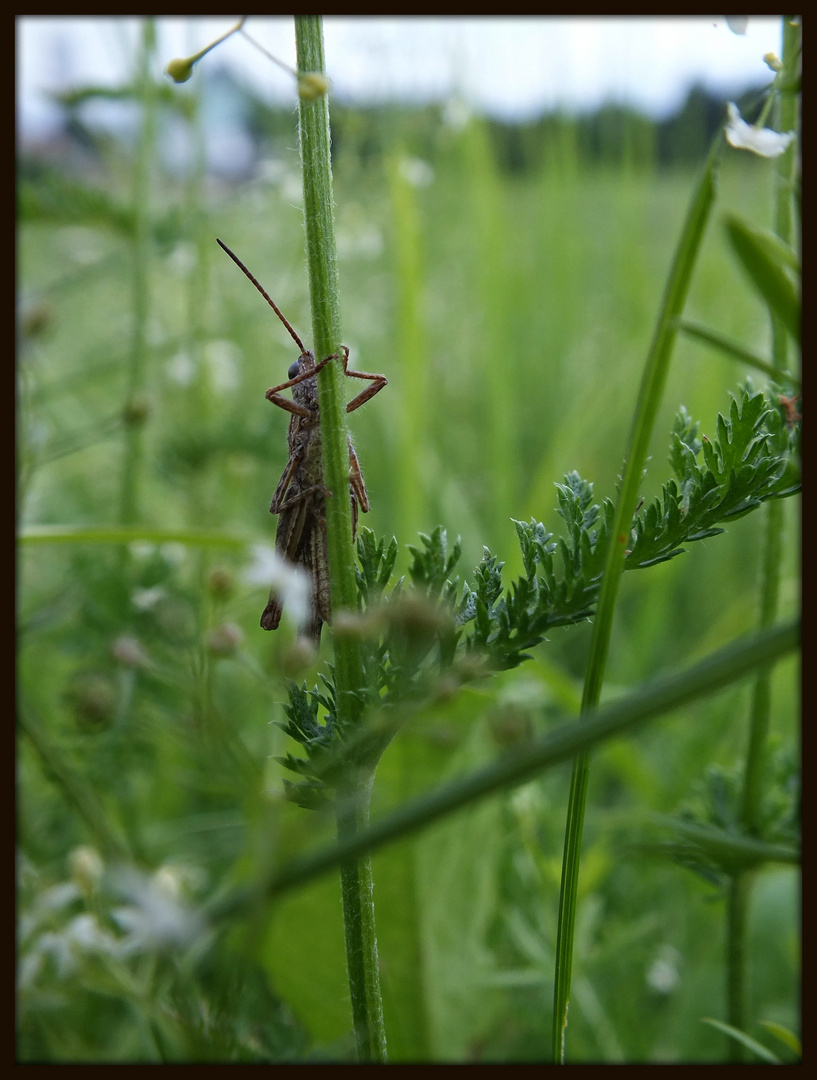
[
  {"x": 773, "y": 62},
  {"x": 179, "y": 70}
]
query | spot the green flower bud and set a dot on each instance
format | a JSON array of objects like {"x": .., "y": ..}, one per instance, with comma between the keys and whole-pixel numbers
[
  {"x": 180, "y": 70},
  {"x": 297, "y": 656},
  {"x": 93, "y": 698},
  {"x": 220, "y": 582},
  {"x": 136, "y": 411},
  {"x": 224, "y": 640}
]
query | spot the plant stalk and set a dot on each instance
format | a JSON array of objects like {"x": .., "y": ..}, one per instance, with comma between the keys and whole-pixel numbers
[
  {"x": 652, "y": 387},
  {"x": 752, "y": 795},
  {"x": 356, "y": 874},
  {"x": 134, "y": 410}
]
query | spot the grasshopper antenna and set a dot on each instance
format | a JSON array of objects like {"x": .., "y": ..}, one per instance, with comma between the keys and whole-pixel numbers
[{"x": 265, "y": 294}]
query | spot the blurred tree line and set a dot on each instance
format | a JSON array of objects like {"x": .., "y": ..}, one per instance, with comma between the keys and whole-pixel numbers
[{"x": 612, "y": 135}]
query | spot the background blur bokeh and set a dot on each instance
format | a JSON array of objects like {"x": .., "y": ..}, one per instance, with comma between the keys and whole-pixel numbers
[{"x": 505, "y": 275}]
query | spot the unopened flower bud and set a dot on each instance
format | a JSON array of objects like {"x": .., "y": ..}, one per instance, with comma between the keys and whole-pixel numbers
[
  {"x": 167, "y": 880},
  {"x": 224, "y": 640},
  {"x": 94, "y": 701},
  {"x": 136, "y": 411},
  {"x": 220, "y": 582},
  {"x": 129, "y": 652},
  {"x": 297, "y": 656},
  {"x": 38, "y": 320},
  {"x": 179, "y": 70},
  {"x": 86, "y": 867},
  {"x": 772, "y": 61}
]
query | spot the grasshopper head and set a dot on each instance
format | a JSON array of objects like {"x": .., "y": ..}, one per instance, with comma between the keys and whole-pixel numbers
[{"x": 305, "y": 362}]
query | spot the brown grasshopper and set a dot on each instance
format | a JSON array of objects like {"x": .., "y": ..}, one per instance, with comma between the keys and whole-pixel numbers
[{"x": 300, "y": 496}]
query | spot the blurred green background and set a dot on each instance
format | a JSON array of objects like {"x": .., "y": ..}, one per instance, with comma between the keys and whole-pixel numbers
[{"x": 506, "y": 279}]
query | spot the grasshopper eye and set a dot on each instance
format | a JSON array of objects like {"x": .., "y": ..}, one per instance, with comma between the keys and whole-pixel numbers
[{"x": 294, "y": 369}]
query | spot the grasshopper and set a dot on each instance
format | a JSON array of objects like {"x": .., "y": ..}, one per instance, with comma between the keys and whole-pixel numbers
[{"x": 300, "y": 495}]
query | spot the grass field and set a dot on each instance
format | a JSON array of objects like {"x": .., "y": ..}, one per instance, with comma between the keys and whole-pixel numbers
[{"x": 511, "y": 315}]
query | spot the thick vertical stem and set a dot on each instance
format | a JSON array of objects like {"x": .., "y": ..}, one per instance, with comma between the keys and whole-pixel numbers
[
  {"x": 357, "y": 894},
  {"x": 356, "y": 874}
]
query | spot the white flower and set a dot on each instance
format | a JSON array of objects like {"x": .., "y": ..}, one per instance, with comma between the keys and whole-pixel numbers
[
  {"x": 154, "y": 918},
  {"x": 664, "y": 973},
  {"x": 129, "y": 652},
  {"x": 456, "y": 113},
  {"x": 762, "y": 141},
  {"x": 223, "y": 360},
  {"x": 181, "y": 369},
  {"x": 182, "y": 260},
  {"x": 291, "y": 584},
  {"x": 80, "y": 936},
  {"x": 146, "y": 599},
  {"x": 417, "y": 172},
  {"x": 173, "y": 553},
  {"x": 141, "y": 549}
]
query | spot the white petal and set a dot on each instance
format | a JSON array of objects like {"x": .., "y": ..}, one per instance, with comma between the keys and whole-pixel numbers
[
  {"x": 292, "y": 584},
  {"x": 762, "y": 141}
]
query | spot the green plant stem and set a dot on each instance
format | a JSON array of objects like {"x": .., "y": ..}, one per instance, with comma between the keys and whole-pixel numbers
[
  {"x": 78, "y": 794},
  {"x": 412, "y": 357},
  {"x": 737, "y": 913},
  {"x": 134, "y": 405},
  {"x": 357, "y": 892},
  {"x": 652, "y": 386},
  {"x": 770, "y": 579},
  {"x": 736, "y": 350},
  {"x": 127, "y": 534},
  {"x": 752, "y": 795},
  {"x": 356, "y": 875}
]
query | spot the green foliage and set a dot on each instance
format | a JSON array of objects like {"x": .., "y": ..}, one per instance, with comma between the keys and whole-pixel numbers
[
  {"x": 417, "y": 633},
  {"x": 716, "y": 808},
  {"x": 746, "y": 464},
  {"x": 524, "y": 272}
]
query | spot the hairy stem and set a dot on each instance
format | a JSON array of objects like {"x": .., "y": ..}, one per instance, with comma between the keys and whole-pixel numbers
[{"x": 356, "y": 874}]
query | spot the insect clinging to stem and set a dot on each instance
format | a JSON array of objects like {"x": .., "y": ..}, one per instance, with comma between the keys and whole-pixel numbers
[{"x": 300, "y": 496}]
